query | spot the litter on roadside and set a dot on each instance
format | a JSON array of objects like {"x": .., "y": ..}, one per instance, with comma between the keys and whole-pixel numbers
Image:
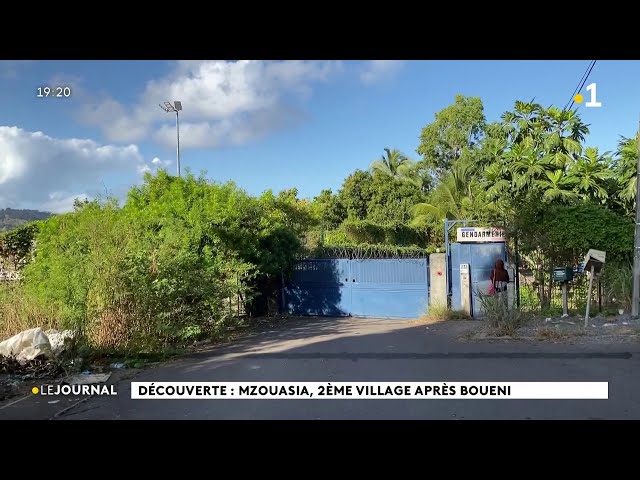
[
  {"x": 27, "y": 345},
  {"x": 35, "y": 343},
  {"x": 88, "y": 379}
]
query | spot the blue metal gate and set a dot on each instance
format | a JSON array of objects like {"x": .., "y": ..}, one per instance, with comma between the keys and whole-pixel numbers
[
  {"x": 379, "y": 288},
  {"x": 481, "y": 258},
  {"x": 319, "y": 287}
]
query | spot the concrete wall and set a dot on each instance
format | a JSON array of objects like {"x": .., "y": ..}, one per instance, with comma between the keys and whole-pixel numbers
[{"x": 437, "y": 279}]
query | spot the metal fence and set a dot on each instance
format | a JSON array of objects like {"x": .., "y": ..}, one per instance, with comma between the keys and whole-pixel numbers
[{"x": 576, "y": 295}]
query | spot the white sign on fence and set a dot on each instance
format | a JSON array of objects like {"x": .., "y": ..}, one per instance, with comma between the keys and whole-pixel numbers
[{"x": 480, "y": 234}]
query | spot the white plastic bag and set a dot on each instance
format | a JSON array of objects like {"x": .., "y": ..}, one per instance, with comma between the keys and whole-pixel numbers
[{"x": 27, "y": 345}]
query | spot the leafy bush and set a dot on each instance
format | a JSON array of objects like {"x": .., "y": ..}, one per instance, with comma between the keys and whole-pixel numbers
[
  {"x": 369, "y": 251},
  {"x": 336, "y": 237},
  {"x": 617, "y": 280},
  {"x": 529, "y": 299},
  {"x": 16, "y": 245},
  {"x": 364, "y": 231},
  {"x": 502, "y": 317},
  {"x": 175, "y": 263}
]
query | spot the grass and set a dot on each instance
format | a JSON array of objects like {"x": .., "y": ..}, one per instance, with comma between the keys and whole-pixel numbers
[
  {"x": 440, "y": 313},
  {"x": 18, "y": 314},
  {"x": 503, "y": 318},
  {"x": 550, "y": 334}
]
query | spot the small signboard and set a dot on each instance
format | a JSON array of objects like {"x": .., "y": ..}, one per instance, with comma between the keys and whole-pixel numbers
[
  {"x": 595, "y": 259},
  {"x": 480, "y": 234},
  {"x": 464, "y": 268}
]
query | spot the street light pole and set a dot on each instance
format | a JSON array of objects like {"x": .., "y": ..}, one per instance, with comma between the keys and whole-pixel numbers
[
  {"x": 178, "y": 141},
  {"x": 175, "y": 107}
]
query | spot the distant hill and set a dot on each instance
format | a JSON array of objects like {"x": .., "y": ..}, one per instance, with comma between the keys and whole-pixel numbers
[{"x": 11, "y": 218}]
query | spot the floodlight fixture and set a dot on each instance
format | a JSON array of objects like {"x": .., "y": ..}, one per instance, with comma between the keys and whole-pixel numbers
[{"x": 168, "y": 107}]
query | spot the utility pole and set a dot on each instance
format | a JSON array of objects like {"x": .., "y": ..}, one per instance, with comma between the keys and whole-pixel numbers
[{"x": 635, "y": 304}]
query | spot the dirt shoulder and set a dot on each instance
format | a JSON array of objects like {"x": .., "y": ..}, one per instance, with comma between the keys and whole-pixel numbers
[
  {"x": 17, "y": 381},
  {"x": 620, "y": 329}
]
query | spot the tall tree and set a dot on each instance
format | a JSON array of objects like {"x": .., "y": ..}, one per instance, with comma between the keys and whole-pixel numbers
[
  {"x": 328, "y": 209},
  {"x": 393, "y": 164},
  {"x": 539, "y": 152},
  {"x": 355, "y": 194},
  {"x": 455, "y": 196},
  {"x": 564, "y": 135},
  {"x": 558, "y": 185},
  {"x": 455, "y": 133},
  {"x": 592, "y": 172},
  {"x": 626, "y": 171},
  {"x": 392, "y": 200}
]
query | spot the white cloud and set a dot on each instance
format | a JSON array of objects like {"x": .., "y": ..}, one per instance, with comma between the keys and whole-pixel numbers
[
  {"x": 155, "y": 165},
  {"x": 377, "y": 71},
  {"x": 234, "y": 130},
  {"x": 60, "y": 202},
  {"x": 116, "y": 122},
  {"x": 38, "y": 171},
  {"x": 224, "y": 102}
]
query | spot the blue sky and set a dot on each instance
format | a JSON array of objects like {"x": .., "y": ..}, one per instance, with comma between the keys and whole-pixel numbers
[{"x": 264, "y": 125}]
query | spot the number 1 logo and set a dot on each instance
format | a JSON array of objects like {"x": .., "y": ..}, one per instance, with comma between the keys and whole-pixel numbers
[{"x": 593, "y": 102}]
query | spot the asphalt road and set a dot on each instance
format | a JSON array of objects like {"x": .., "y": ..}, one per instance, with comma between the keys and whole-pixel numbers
[{"x": 343, "y": 350}]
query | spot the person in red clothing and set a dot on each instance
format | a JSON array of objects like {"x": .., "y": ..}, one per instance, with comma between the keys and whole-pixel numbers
[{"x": 499, "y": 277}]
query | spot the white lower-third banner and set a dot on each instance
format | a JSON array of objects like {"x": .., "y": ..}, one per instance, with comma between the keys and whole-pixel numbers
[{"x": 370, "y": 390}]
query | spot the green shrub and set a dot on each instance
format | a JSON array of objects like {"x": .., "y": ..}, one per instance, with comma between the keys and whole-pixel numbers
[
  {"x": 529, "y": 300},
  {"x": 176, "y": 263},
  {"x": 502, "y": 317},
  {"x": 395, "y": 233},
  {"x": 617, "y": 281},
  {"x": 369, "y": 251}
]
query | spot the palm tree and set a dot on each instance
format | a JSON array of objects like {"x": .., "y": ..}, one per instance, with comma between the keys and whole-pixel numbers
[
  {"x": 592, "y": 171},
  {"x": 453, "y": 197},
  {"x": 396, "y": 165}
]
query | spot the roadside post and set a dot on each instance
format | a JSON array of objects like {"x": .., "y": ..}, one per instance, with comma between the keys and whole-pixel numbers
[
  {"x": 563, "y": 275},
  {"x": 465, "y": 289},
  {"x": 593, "y": 262}
]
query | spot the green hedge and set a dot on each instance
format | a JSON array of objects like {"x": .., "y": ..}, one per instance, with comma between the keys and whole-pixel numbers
[{"x": 366, "y": 232}]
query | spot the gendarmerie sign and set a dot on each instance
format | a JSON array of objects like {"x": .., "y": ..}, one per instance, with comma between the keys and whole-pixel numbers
[{"x": 480, "y": 234}]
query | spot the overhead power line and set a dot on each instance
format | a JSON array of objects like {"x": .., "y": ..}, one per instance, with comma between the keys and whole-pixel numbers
[
  {"x": 578, "y": 87},
  {"x": 581, "y": 83}
]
